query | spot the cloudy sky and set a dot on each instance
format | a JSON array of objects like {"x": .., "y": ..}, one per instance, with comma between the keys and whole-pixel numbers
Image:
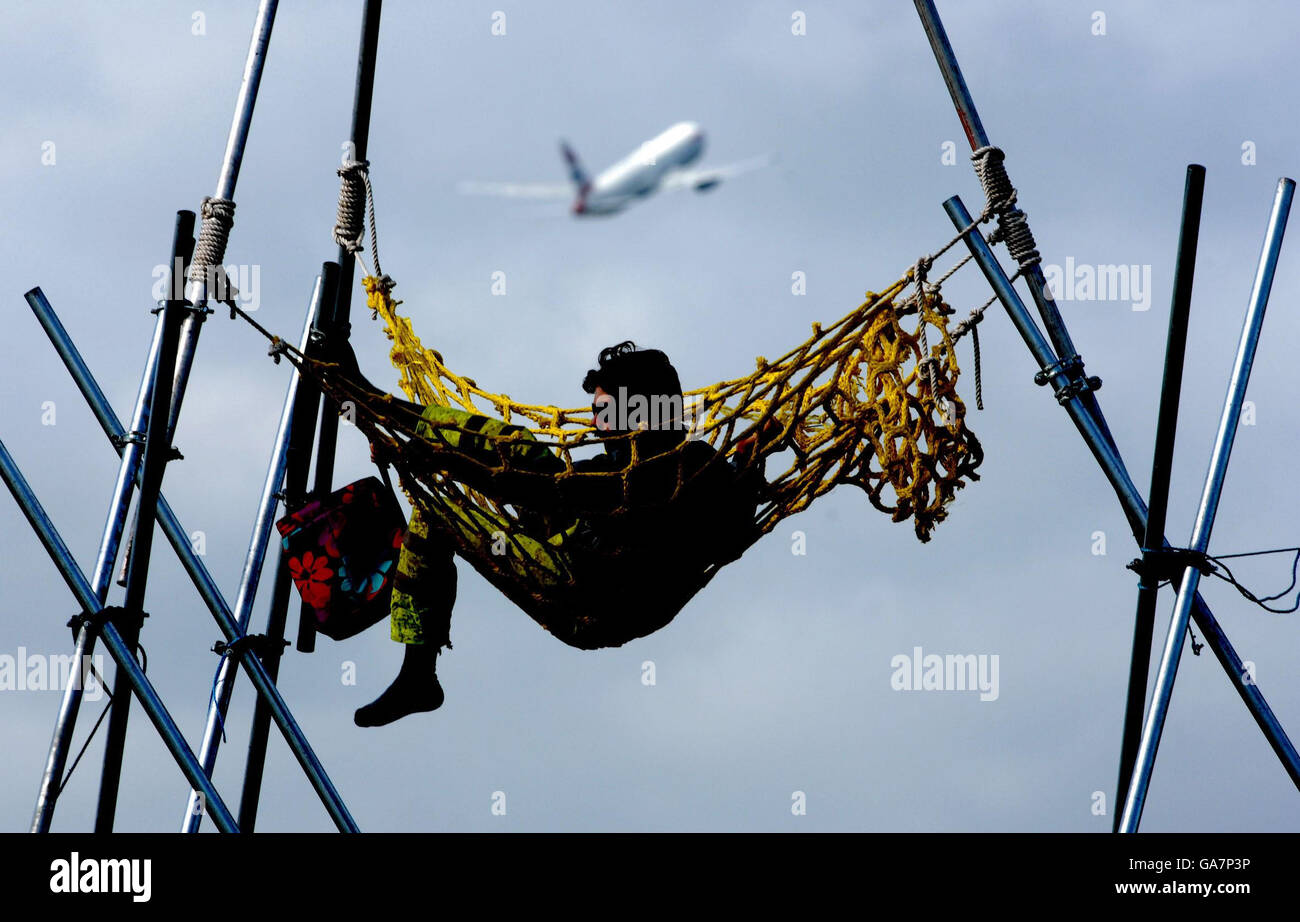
[{"x": 777, "y": 679}]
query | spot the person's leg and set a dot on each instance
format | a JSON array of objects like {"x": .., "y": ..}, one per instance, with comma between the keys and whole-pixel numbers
[
  {"x": 424, "y": 593},
  {"x": 424, "y": 589},
  {"x": 486, "y": 437}
]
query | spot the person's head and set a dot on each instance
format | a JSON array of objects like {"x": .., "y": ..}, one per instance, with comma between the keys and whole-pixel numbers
[{"x": 634, "y": 389}]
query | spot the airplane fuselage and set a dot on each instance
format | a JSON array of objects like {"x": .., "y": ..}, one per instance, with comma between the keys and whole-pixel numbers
[{"x": 640, "y": 172}]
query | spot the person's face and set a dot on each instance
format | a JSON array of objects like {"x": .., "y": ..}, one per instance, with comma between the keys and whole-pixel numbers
[{"x": 599, "y": 400}]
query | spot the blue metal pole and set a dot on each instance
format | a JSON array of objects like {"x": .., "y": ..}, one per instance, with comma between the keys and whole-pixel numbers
[
  {"x": 251, "y": 576},
  {"x": 978, "y": 138},
  {"x": 1168, "y": 671},
  {"x": 128, "y": 468},
  {"x": 231, "y": 161},
  {"x": 121, "y": 652},
  {"x": 127, "y": 471},
  {"x": 129, "y": 447},
  {"x": 157, "y": 451},
  {"x": 297, "y": 467},
  {"x": 1161, "y": 467},
  {"x": 177, "y": 535},
  {"x": 1112, "y": 465}
]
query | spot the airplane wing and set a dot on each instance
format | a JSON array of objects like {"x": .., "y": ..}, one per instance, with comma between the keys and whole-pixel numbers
[
  {"x": 530, "y": 190},
  {"x": 708, "y": 177}
]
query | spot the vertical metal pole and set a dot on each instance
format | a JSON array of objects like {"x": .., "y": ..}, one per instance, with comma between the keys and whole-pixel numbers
[
  {"x": 977, "y": 137},
  {"x": 178, "y": 536},
  {"x": 157, "y": 448},
  {"x": 1161, "y": 465},
  {"x": 1130, "y": 499},
  {"x": 297, "y": 467},
  {"x": 223, "y": 687},
  {"x": 121, "y": 652},
  {"x": 337, "y": 323},
  {"x": 1213, "y": 490}
]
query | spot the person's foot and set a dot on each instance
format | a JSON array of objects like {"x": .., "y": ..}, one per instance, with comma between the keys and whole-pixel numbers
[{"x": 407, "y": 695}]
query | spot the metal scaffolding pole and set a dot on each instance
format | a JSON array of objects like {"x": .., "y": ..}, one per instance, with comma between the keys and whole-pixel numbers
[
  {"x": 157, "y": 451},
  {"x": 1069, "y": 360},
  {"x": 100, "y": 622},
  {"x": 131, "y": 456},
  {"x": 1213, "y": 490},
  {"x": 269, "y": 697},
  {"x": 336, "y": 322},
  {"x": 1112, "y": 465},
  {"x": 231, "y": 162},
  {"x": 1033, "y": 274},
  {"x": 263, "y": 524},
  {"x": 129, "y": 446},
  {"x": 297, "y": 468},
  {"x": 1161, "y": 466}
]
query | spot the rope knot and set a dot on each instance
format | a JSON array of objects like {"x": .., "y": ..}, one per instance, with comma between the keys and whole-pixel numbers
[
  {"x": 210, "y": 250},
  {"x": 991, "y": 171},
  {"x": 349, "y": 225},
  {"x": 1000, "y": 200}
]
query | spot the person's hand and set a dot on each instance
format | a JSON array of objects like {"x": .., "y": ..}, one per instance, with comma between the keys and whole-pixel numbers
[
  {"x": 770, "y": 431},
  {"x": 381, "y": 454}
]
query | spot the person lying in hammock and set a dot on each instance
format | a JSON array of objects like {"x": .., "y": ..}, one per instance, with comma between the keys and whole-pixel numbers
[{"x": 624, "y": 553}]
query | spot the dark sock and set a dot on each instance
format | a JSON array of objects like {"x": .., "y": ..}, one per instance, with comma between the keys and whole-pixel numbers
[{"x": 416, "y": 689}]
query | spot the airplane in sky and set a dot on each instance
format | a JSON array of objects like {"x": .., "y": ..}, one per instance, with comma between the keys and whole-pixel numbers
[{"x": 664, "y": 163}]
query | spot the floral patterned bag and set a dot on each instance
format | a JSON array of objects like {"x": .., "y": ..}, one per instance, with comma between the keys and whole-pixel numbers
[{"x": 342, "y": 553}]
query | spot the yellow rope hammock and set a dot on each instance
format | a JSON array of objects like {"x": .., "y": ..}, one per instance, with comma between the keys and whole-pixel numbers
[{"x": 869, "y": 400}]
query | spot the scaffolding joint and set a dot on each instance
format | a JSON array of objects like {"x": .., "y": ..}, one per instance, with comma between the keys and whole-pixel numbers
[
  {"x": 1081, "y": 385},
  {"x": 1077, "y": 383},
  {"x": 199, "y": 311},
  {"x": 1168, "y": 563},
  {"x": 258, "y": 643},
  {"x": 121, "y": 441},
  {"x": 119, "y": 617},
  {"x": 291, "y": 500}
]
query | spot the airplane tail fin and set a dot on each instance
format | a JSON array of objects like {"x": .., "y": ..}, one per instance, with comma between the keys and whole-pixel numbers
[{"x": 577, "y": 174}]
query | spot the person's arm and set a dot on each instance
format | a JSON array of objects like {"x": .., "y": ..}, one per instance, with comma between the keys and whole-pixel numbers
[{"x": 522, "y": 472}]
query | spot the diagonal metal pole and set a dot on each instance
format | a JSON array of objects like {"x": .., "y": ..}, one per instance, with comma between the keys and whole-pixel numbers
[
  {"x": 336, "y": 323},
  {"x": 157, "y": 450},
  {"x": 264, "y": 522},
  {"x": 131, "y": 444},
  {"x": 211, "y": 250},
  {"x": 122, "y": 653},
  {"x": 178, "y": 536},
  {"x": 1213, "y": 491},
  {"x": 1112, "y": 465},
  {"x": 129, "y": 447},
  {"x": 978, "y": 139},
  {"x": 232, "y": 161},
  {"x": 1161, "y": 466},
  {"x": 297, "y": 468}
]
